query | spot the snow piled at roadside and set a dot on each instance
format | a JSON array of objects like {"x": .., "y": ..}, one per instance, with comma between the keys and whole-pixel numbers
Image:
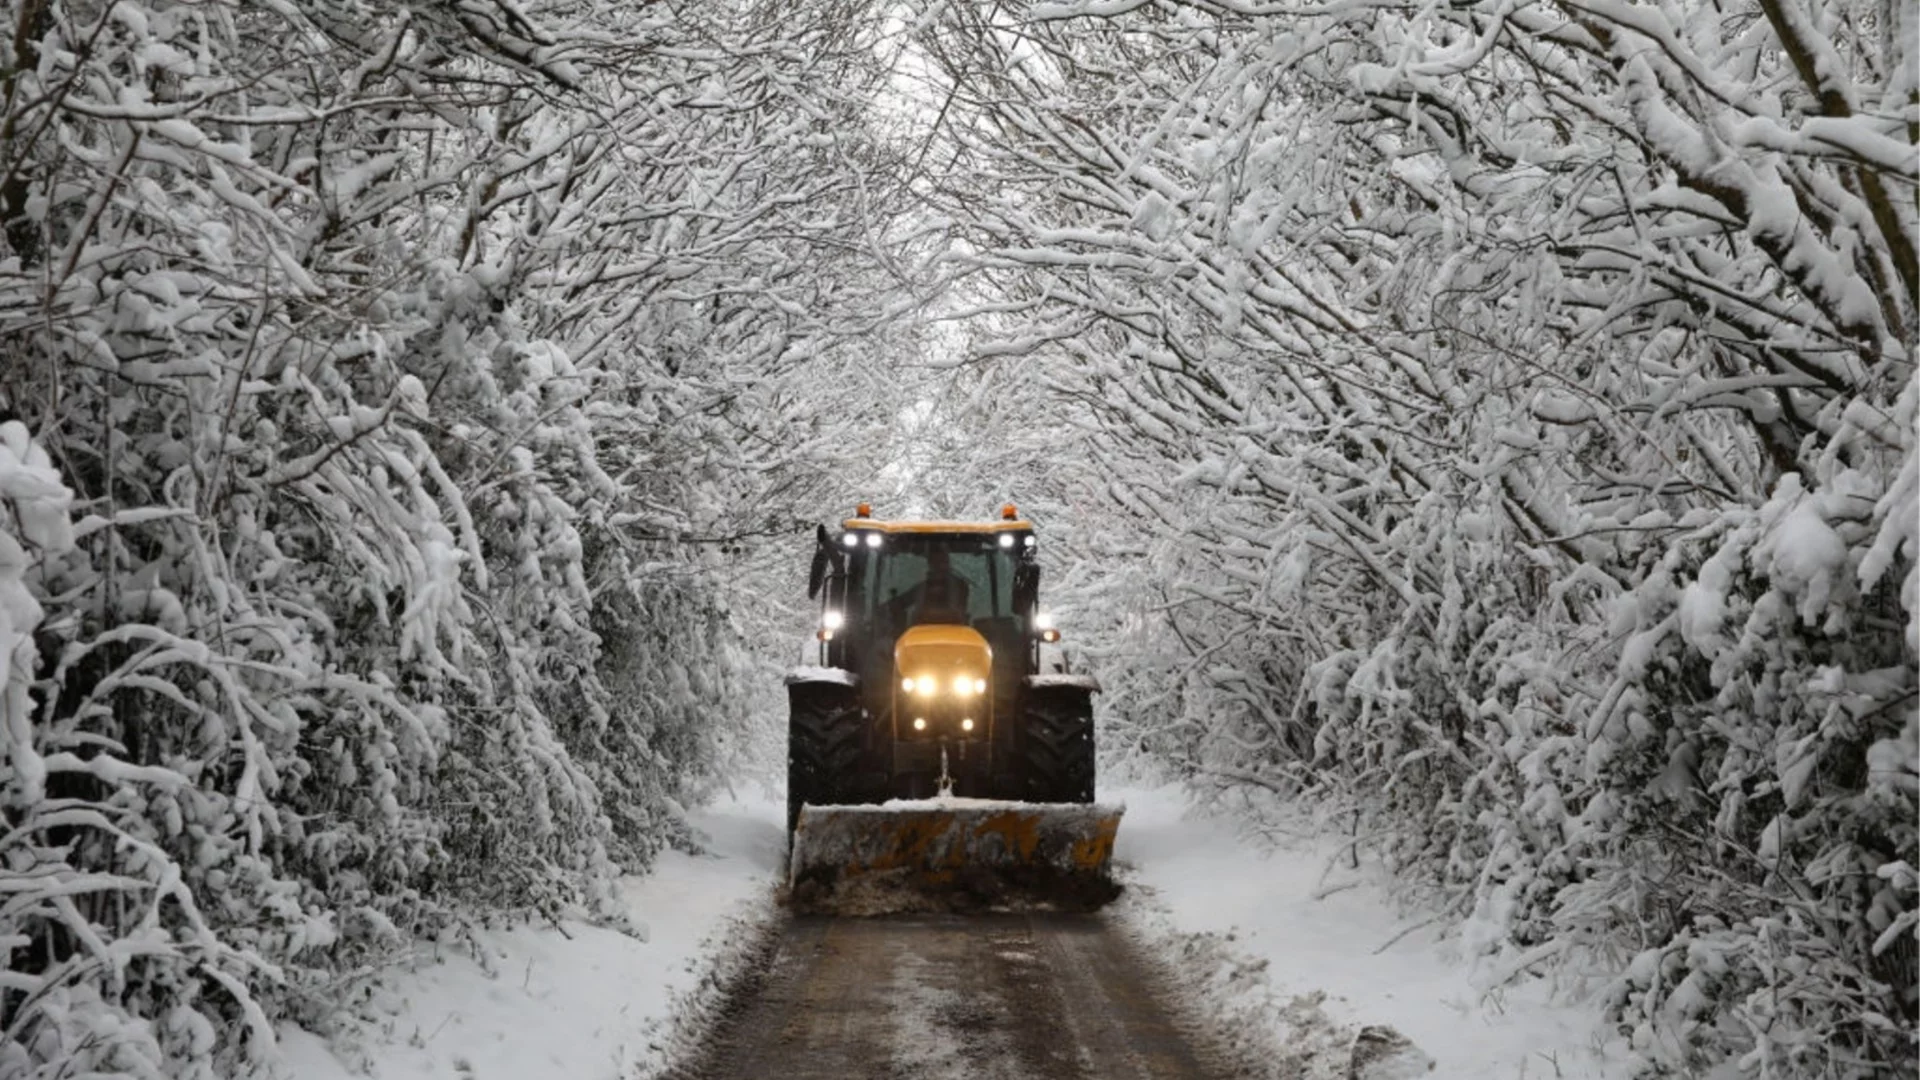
[
  {"x": 1306, "y": 970},
  {"x": 578, "y": 1001}
]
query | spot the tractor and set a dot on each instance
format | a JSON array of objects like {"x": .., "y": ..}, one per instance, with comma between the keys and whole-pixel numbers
[{"x": 927, "y": 742}]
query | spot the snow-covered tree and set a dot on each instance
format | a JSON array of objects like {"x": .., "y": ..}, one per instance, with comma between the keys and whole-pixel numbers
[
  {"x": 388, "y": 393},
  {"x": 1521, "y": 401}
]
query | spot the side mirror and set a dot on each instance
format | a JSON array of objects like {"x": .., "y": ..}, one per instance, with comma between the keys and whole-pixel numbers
[
  {"x": 1026, "y": 587},
  {"x": 822, "y": 558}
]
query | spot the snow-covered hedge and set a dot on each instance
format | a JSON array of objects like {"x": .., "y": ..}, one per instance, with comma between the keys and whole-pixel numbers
[
  {"x": 386, "y": 394},
  {"x": 1503, "y": 426}
]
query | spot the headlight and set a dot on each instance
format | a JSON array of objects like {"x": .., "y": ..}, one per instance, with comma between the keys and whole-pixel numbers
[
  {"x": 1006, "y": 540},
  {"x": 832, "y": 620},
  {"x": 967, "y": 724},
  {"x": 1043, "y": 620},
  {"x": 873, "y": 539},
  {"x": 962, "y": 686},
  {"x": 851, "y": 539},
  {"x": 919, "y": 723}
]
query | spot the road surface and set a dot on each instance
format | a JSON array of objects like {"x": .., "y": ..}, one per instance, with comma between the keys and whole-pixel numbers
[{"x": 1033, "y": 996}]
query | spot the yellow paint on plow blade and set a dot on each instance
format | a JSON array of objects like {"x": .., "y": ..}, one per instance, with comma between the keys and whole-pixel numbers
[{"x": 995, "y": 850}]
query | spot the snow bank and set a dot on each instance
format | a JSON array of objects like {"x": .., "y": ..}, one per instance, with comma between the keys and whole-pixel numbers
[
  {"x": 1309, "y": 966},
  {"x": 576, "y": 1001}
]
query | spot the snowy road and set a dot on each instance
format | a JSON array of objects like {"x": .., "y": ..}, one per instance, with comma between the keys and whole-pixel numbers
[
  {"x": 933, "y": 997},
  {"x": 1283, "y": 952}
]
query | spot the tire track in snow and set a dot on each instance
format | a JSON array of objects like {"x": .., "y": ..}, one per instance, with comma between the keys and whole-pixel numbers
[{"x": 1030, "y": 996}]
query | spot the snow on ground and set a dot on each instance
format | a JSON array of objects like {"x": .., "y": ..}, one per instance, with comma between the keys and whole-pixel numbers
[
  {"x": 1264, "y": 937},
  {"x": 1279, "y": 954},
  {"x": 579, "y": 1002}
]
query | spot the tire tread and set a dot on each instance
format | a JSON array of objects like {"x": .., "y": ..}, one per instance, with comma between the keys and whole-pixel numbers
[{"x": 1058, "y": 748}]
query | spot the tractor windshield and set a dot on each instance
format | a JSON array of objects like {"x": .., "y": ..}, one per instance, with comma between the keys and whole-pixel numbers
[{"x": 932, "y": 579}]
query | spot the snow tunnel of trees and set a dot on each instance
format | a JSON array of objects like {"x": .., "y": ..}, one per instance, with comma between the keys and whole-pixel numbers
[{"x": 1492, "y": 423}]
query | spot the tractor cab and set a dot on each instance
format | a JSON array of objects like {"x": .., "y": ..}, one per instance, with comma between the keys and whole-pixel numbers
[{"x": 876, "y": 580}]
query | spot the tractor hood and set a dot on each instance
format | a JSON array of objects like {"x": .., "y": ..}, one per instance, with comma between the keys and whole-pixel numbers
[{"x": 943, "y": 653}]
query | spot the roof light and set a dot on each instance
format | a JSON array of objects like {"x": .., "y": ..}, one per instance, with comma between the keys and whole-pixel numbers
[
  {"x": 864, "y": 510},
  {"x": 1008, "y": 513}
]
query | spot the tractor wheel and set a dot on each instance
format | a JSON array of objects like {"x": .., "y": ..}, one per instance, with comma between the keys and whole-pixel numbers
[
  {"x": 1057, "y": 751},
  {"x": 826, "y": 737}
]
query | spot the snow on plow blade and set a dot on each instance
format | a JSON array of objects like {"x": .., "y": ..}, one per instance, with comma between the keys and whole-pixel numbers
[{"x": 953, "y": 854}]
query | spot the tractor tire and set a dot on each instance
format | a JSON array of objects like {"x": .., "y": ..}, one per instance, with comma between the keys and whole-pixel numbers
[
  {"x": 826, "y": 747},
  {"x": 1057, "y": 745}
]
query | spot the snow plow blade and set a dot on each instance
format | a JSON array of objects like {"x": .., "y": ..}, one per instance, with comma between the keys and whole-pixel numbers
[{"x": 953, "y": 855}]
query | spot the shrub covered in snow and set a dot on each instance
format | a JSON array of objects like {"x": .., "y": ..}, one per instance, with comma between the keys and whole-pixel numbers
[
  {"x": 387, "y": 397},
  {"x": 1502, "y": 421}
]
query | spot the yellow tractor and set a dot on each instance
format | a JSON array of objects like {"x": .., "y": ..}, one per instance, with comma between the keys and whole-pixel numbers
[{"x": 929, "y": 758}]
